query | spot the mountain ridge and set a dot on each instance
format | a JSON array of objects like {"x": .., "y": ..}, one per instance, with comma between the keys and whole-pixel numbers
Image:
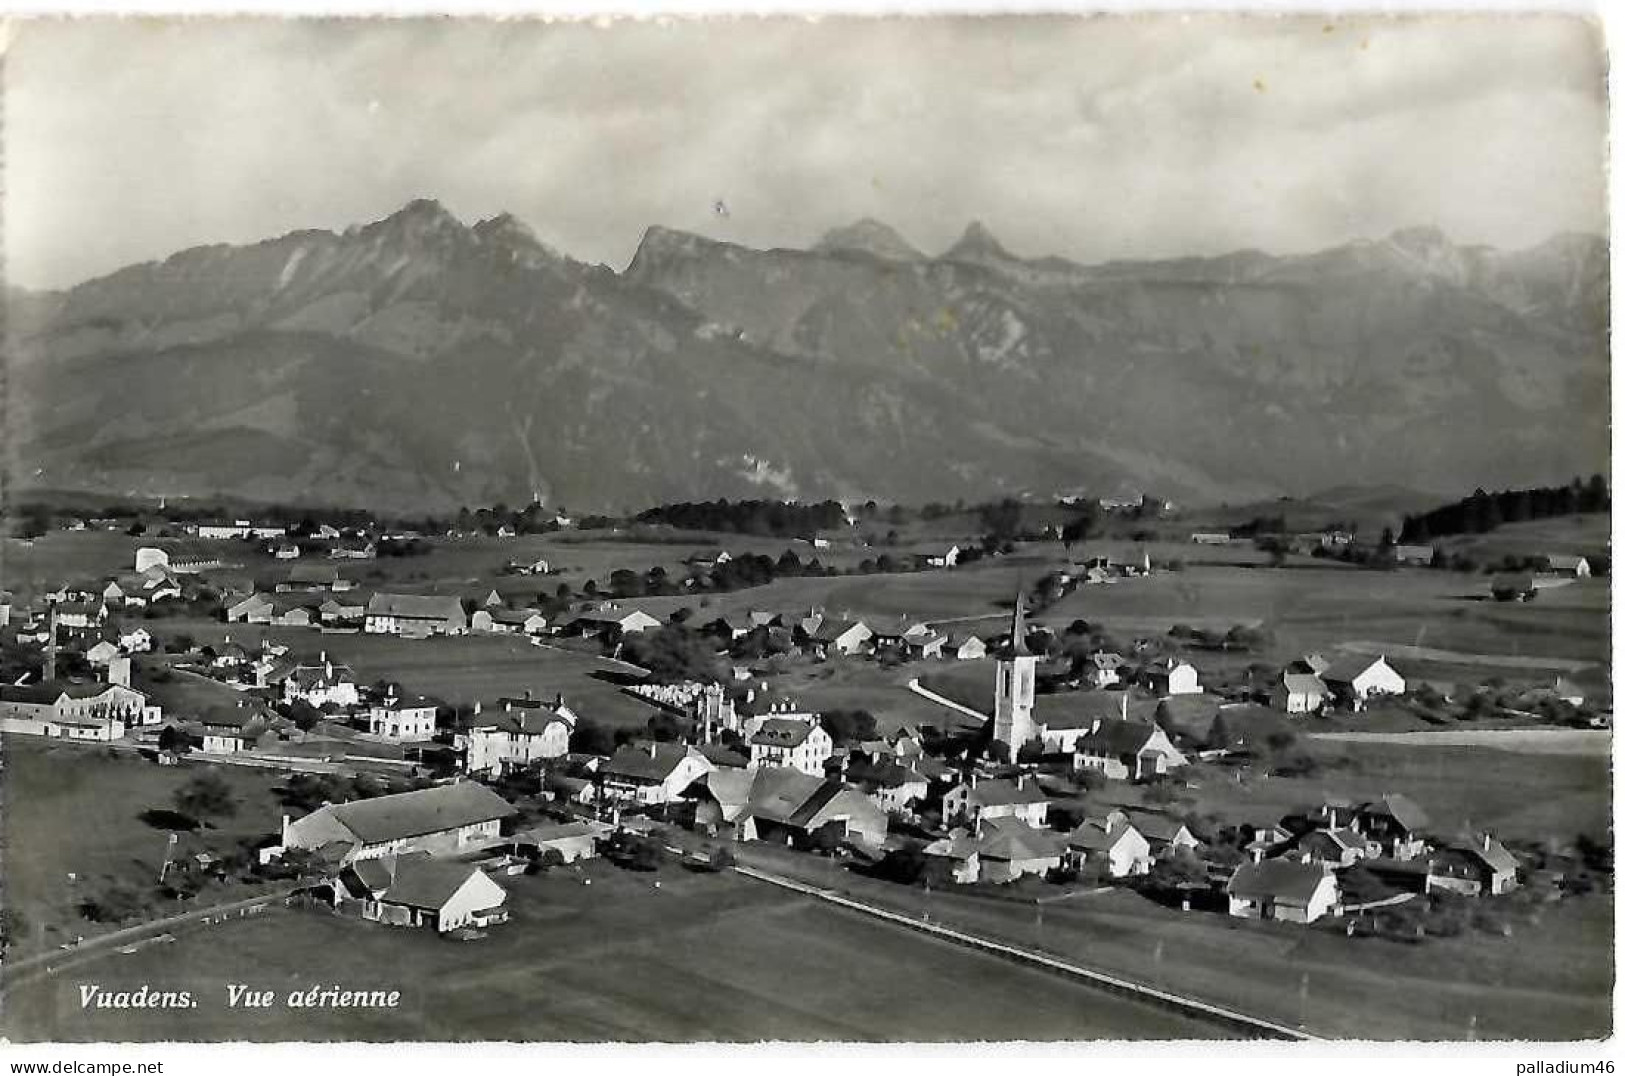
[{"x": 476, "y": 363}]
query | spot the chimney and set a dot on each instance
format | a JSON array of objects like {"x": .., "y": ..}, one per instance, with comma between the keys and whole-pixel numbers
[
  {"x": 652, "y": 751},
  {"x": 1486, "y": 841},
  {"x": 476, "y": 706}
]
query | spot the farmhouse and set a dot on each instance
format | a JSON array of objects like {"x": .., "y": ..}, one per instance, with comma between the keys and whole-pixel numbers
[
  {"x": 1572, "y": 566},
  {"x": 1355, "y": 679},
  {"x": 417, "y": 890},
  {"x": 999, "y": 850},
  {"x": 649, "y": 773},
  {"x": 1413, "y": 554},
  {"x": 791, "y": 806},
  {"x": 1163, "y": 833},
  {"x": 844, "y": 637},
  {"x": 494, "y": 621},
  {"x": 966, "y": 647},
  {"x": 609, "y": 624},
  {"x": 310, "y": 579},
  {"x": 1395, "y": 823},
  {"x": 1123, "y": 749},
  {"x": 1474, "y": 866},
  {"x": 416, "y": 616},
  {"x": 969, "y": 802},
  {"x": 444, "y": 820},
  {"x": 1282, "y": 889},
  {"x": 1174, "y": 677},
  {"x": 228, "y": 730}
]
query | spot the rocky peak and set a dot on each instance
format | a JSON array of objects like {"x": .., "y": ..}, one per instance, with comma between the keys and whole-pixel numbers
[
  {"x": 977, "y": 245},
  {"x": 868, "y": 236}
]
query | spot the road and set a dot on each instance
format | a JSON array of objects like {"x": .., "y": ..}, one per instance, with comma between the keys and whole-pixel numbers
[{"x": 1527, "y": 741}]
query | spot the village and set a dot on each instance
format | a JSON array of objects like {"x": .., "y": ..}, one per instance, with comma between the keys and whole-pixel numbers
[{"x": 1035, "y": 744}]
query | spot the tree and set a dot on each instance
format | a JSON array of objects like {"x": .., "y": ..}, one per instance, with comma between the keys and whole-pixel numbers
[
  {"x": 591, "y": 738},
  {"x": 848, "y": 726},
  {"x": 176, "y": 739},
  {"x": 674, "y": 652},
  {"x": 206, "y": 796}
]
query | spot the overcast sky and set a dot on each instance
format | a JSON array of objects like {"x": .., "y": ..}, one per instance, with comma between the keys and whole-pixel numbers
[{"x": 1090, "y": 138}]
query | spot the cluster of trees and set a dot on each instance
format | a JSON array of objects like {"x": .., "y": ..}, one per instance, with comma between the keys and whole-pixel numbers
[
  {"x": 531, "y": 519},
  {"x": 769, "y": 518},
  {"x": 674, "y": 652},
  {"x": 738, "y": 573},
  {"x": 1485, "y": 511}
]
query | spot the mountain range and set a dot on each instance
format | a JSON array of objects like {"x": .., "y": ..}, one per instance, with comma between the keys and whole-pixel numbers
[{"x": 417, "y": 362}]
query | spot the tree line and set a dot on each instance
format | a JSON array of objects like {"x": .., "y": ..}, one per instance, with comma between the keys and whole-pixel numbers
[
  {"x": 768, "y": 518},
  {"x": 1484, "y": 512}
]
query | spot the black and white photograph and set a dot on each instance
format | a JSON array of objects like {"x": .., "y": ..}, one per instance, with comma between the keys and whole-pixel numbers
[{"x": 908, "y": 529}]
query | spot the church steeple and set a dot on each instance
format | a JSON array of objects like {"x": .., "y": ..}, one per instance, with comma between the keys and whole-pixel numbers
[{"x": 1018, "y": 626}]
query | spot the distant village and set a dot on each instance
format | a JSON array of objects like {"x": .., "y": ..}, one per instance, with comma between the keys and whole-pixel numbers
[{"x": 987, "y": 798}]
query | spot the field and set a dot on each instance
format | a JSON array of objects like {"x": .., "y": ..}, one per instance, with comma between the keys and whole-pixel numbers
[
  {"x": 1551, "y": 979},
  {"x": 76, "y": 810},
  {"x": 705, "y": 957}
]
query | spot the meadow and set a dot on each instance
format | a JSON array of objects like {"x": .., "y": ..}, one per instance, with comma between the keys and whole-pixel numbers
[{"x": 706, "y": 957}]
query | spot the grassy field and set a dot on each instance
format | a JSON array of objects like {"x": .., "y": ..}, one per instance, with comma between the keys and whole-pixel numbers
[
  {"x": 705, "y": 957},
  {"x": 1552, "y": 979},
  {"x": 76, "y": 810}
]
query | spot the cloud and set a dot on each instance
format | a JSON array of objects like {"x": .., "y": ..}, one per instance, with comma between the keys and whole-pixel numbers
[{"x": 1091, "y": 137}]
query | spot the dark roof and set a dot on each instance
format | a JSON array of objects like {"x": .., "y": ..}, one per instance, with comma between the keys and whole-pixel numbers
[
  {"x": 1116, "y": 737},
  {"x": 1002, "y": 793},
  {"x": 417, "y": 606},
  {"x": 417, "y": 880},
  {"x": 635, "y": 761},
  {"x": 48, "y": 691},
  {"x": 1400, "y": 807},
  {"x": 429, "y": 810},
  {"x": 1080, "y": 709},
  {"x": 1276, "y": 879},
  {"x": 1015, "y": 839},
  {"x": 521, "y": 721},
  {"x": 1346, "y": 668},
  {"x": 1155, "y": 826},
  {"x": 782, "y": 732}
]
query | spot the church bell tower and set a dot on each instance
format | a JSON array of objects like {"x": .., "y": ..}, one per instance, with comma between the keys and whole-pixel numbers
[{"x": 1017, "y": 671}]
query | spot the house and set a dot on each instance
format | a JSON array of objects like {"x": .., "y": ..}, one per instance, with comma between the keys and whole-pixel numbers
[
  {"x": 1474, "y": 865},
  {"x": 969, "y": 802},
  {"x": 1126, "y": 749},
  {"x": 1164, "y": 834},
  {"x": 326, "y": 532},
  {"x": 1210, "y": 538},
  {"x": 320, "y": 684},
  {"x": 399, "y": 717},
  {"x": 1332, "y": 848},
  {"x": 75, "y": 711},
  {"x": 255, "y": 609},
  {"x": 844, "y": 637},
  {"x": 521, "y": 732},
  {"x": 418, "y": 890},
  {"x": 310, "y": 579},
  {"x": 1060, "y": 720},
  {"x": 292, "y": 614},
  {"x": 135, "y": 641},
  {"x": 788, "y": 805},
  {"x": 1396, "y": 824},
  {"x": 1103, "y": 669},
  {"x": 150, "y": 557},
  {"x": 1174, "y": 677},
  {"x": 1301, "y": 693},
  {"x": 947, "y": 559},
  {"x": 795, "y": 743},
  {"x": 241, "y": 528},
  {"x": 1283, "y": 889},
  {"x": 444, "y": 820},
  {"x": 286, "y": 551},
  {"x": 893, "y": 786},
  {"x": 102, "y": 653},
  {"x": 999, "y": 850},
  {"x": 966, "y": 647},
  {"x": 1563, "y": 564},
  {"x": 1313, "y": 663},
  {"x": 1355, "y": 679},
  {"x": 415, "y": 616},
  {"x": 113, "y": 593},
  {"x": 81, "y": 615},
  {"x": 651, "y": 773},
  {"x": 353, "y": 549},
  {"x": 573, "y": 841},
  {"x": 342, "y": 611},
  {"x": 708, "y": 558},
  {"x": 1114, "y": 843},
  {"x": 229, "y": 730},
  {"x": 507, "y": 622},
  {"x": 1413, "y": 554},
  {"x": 924, "y": 643},
  {"x": 610, "y": 624},
  {"x": 1513, "y": 586}
]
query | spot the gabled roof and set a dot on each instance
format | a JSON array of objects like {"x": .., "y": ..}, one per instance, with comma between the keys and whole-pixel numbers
[
  {"x": 417, "y": 606},
  {"x": 1155, "y": 826},
  {"x": 1080, "y": 709},
  {"x": 1303, "y": 684},
  {"x": 417, "y": 880},
  {"x": 48, "y": 691},
  {"x": 429, "y": 810},
  {"x": 1488, "y": 851},
  {"x": 1400, "y": 807},
  {"x": 1015, "y": 839},
  {"x": 1116, "y": 737},
  {"x": 1002, "y": 793},
  {"x": 1346, "y": 669},
  {"x": 647, "y": 761},
  {"x": 1095, "y": 836},
  {"x": 1277, "y": 879},
  {"x": 525, "y": 721},
  {"x": 831, "y": 630}
]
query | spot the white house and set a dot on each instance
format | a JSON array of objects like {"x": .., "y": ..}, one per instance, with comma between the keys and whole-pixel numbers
[
  {"x": 1123, "y": 749},
  {"x": 523, "y": 731},
  {"x": 415, "y": 615},
  {"x": 650, "y": 773},
  {"x": 1120, "y": 848},
  {"x": 417, "y": 890},
  {"x": 1356, "y": 679},
  {"x": 1282, "y": 889},
  {"x": 1563, "y": 564},
  {"x": 401, "y": 718},
  {"x": 1301, "y": 693},
  {"x": 969, "y": 802},
  {"x": 1174, "y": 677},
  {"x": 74, "y": 711},
  {"x": 792, "y": 742}
]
